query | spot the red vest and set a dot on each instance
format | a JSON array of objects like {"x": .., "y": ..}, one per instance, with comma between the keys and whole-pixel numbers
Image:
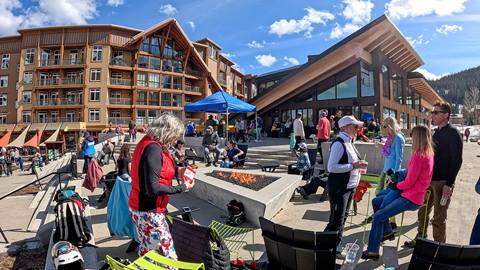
[{"x": 166, "y": 175}]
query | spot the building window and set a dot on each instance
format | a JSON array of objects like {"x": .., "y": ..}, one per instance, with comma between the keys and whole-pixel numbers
[
  {"x": 140, "y": 117},
  {"x": 155, "y": 45},
  {"x": 177, "y": 100},
  {"x": 145, "y": 45},
  {"x": 403, "y": 120},
  {"x": 153, "y": 98},
  {"x": 3, "y": 81},
  {"x": 212, "y": 52},
  {"x": 327, "y": 94},
  {"x": 94, "y": 115},
  {"x": 5, "y": 61},
  {"x": 143, "y": 61},
  {"x": 368, "y": 113},
  {"x": 409, "y": 98},
  {"x": 416, "y": 102},
  {"x": 347, "y": 88},
  {"x": 54, "y": 117},
  {"x": 166, "y": 99},
  {"x": 177, "y": 66},
  {"x": 414, "y": 122},
  {"x": 167, "y": 81},
  {"x": 30, "y": 56},
  {"x": 95, "y": 75},
  {"x": 142, "y": 79},
  {"x": 386, "y": 81},
  {"x": 153, "y": 80},
  {"x": 152, "y": 115},
  {"x": 3, "y": 118},
  {"x": 366, "y": 83},
  {"x": 168, "y": 50},
  {"x": 97, "y": 53},
  {"x": 141, "y": 98},
  {"x": 387, "y": 112},
  {"x": 27, "y": 117},
  {"x": 3, "y": 100},
  {"x": 397, "y": 83},
  {"x": 155, "y": 63},
  {"x": 42, "y": 117},
  {"x": 177, "y": 82},
  {"x": 27, "y": 77},
  {"x": 27, "y": 97},
  {"x": 94, "y": 94},
  {"x": 167, "y": 65}
]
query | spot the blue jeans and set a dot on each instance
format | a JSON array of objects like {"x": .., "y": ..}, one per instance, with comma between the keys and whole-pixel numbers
[
  {"x": 380, "y": 224},
  {"x": 475, "y": 238}
]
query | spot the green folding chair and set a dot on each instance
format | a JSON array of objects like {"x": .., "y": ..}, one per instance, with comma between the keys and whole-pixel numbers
[
  {"x": 234, "y": 237},
  {"x": 152, "y": 261}
]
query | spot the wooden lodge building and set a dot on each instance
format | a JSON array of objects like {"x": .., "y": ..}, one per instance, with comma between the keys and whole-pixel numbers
[
  {"x": 57, "y": 81},
  {"x": 369, "y": 74}
]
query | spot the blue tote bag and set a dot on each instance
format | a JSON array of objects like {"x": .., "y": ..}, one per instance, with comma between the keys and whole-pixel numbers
[{"x": 118, "y": 216}]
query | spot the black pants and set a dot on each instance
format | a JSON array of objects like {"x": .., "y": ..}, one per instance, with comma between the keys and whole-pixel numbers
[
  {"x": 319, "y": 147},
  {"x": 298, "y": 139},
  {"x": 312, "y": 186},
  {"x": 340, "y": 201},
  {"x": 85, "y": 164}
]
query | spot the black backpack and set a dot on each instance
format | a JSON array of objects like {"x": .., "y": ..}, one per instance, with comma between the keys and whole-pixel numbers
[
  {"x": 70, "y": 223},
  {"x": 236, "y": 213}
]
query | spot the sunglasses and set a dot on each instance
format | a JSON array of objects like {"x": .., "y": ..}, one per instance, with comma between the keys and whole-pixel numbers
[{"x": 437, "y": 112}]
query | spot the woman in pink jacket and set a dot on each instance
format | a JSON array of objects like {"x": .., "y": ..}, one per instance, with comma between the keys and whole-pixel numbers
[{"x": 413, "y": 190}]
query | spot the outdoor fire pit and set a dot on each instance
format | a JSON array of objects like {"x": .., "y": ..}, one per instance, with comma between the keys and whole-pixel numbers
[
  {"x": 262, "y": 194},
  {"x": 248, "y": 180}
]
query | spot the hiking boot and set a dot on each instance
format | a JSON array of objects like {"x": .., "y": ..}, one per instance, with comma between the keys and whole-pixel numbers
[
  {"x": 410, "y": 244},
  {"x": 389, "y": 237},
  {"x": 324, "y": 197},
  {"x": 367, "y": 220},
  {"x": 302, "y": 192}
]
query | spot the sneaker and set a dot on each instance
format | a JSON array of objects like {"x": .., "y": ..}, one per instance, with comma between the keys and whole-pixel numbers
[
  {"x": 301, "y": 191},
  {"x": 215, "y": 164},
  {"x": 209, "y": 164},
  {"x": 393, "y": 225},
  {"x": 340, "y": 256},
  {"x": 410, "y": 244},
  {"x": 367, "y": 220},
  {"x": 324, "y": 197},
  {"x": 389, "y": 237}
]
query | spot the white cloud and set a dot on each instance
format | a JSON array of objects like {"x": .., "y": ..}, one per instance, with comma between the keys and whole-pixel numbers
[
  {"x": 168, "y": 10},
  {"x": 305, "y": 24},
  {"x": 398, "y": 9},
  {"x": 192, "y": 25},
  {"x": 290, "y": 61},
  {"x": 418, "y": 41},
  {"x": 429, "y": 75},
  {"x": 356, "y": 13},
  {"x": 449, "y": 28},
  {"x": 115, "y": 3},
  {"x": 257, "y": 45},
  {"x": 266, "y": 60},
  {"x": 228, "y": 55},
  {"x": 47, "y": 12}
]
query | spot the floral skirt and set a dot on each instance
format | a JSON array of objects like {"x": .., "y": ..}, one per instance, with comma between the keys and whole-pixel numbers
[{"x": 154, "y": 234}]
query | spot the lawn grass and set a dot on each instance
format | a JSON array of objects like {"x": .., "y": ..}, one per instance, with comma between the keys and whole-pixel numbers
[{"x": 371, "y": 178}]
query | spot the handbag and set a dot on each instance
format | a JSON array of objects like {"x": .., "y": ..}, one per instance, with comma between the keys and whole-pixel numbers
[{"x": 118, "y": 215}]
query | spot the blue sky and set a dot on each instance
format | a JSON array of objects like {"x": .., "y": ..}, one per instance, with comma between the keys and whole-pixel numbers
[{"x": 262, "y": 36}]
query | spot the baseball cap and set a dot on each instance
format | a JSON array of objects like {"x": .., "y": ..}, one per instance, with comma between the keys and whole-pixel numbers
[
  {"x": 349, "y": 120},
  {"x": 302, "y": 145},
  {"x": 210, "y": 127}
]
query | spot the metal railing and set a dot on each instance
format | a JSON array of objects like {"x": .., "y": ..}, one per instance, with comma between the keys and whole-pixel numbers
[
  {"x": 49, "y": 62},
  {"x": 60, "y": 101},
  {"x": 119, "y": 120},
  {"x": 120, "y": 81},
  {"x": 222, "y": 81},
  {"x": 120, "y": 101},
  {"x": 73, "y": 61},
  {"x": 60, "y": 81},
  {"x": 193, "y": 72},
  {"x": 119, "y": 62},
  {"x": 58, "y": 62},
  {"x": 192, "y": 88}
]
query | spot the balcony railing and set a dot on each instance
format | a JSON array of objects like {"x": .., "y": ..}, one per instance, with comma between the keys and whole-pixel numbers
[
  {"x": 193, "y": 72},
  {"x": 57, "y": 62},
  {"x": 222, "y": 81},
  {"x": 62, "y": 81},
  {"x": 192, "y": 88},
  {"x": 120, "y": 101},
  {"x": 117, "y": 81},
  {"x": 73, "y": 61},
  {"x": 60, "y": 101},
  {"x": 58, "y": 119},
  {"x": 119, "y": 120},
  {"x": 119, "y": 62},
  {"x": 49, "y": 62},
  {"x": 69, "y": 119}
]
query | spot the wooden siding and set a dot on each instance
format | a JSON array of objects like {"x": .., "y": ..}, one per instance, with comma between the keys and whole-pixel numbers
[
  {"x": 9, "y": 46},
  {"x": 30, "y": 41},
  {"x": 75, "y": 37},
  {"x": 98, "y": 38},
  {"x": 54, "y": 38},
  {"x": 120, "y": 38}
]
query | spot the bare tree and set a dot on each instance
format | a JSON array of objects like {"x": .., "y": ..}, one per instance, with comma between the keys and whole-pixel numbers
[{"x": 471, "y": 109}]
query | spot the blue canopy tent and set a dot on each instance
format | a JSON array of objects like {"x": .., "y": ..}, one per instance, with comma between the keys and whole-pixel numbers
[{"x": 222, "y": 102}]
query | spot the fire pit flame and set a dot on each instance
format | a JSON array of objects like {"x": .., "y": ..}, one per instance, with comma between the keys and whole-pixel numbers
[{"x": 249, "y": 180}]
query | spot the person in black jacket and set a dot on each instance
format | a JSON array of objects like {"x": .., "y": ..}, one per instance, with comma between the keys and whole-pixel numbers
[
  {"x": 475, "y": 237},
  {"x": 448, "y": 148}
]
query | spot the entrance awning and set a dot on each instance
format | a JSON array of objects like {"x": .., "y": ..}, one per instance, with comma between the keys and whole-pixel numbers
[
  {"x": 35, "y": 140},
  {"x": 53, "y": 138},
  {"x": 20, "y": 140},
  {"x": 6, "y": 138}
]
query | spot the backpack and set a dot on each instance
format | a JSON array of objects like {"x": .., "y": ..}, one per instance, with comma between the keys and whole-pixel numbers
[
  {"x": 70, "y": 223},
  {"x": 70, "y": 194},
  {"x": 236, "y": 213}
]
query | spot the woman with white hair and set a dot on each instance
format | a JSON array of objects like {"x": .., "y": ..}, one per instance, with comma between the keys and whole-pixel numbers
[{"x": 152, "y": 171}]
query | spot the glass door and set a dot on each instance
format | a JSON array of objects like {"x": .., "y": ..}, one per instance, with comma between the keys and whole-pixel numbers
[
  {"x": 44, "y": 57},
  {"x": 43, "y": 99},
  {"x": 72, "y": 57}
]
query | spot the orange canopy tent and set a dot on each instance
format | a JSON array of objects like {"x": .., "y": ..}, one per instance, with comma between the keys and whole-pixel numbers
[
  {"x": 6, "y": 138},
  {"x": 35, "y": 140}
]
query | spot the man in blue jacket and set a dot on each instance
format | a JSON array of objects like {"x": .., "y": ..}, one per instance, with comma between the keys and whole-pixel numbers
[{"x": 88, "y": 149}]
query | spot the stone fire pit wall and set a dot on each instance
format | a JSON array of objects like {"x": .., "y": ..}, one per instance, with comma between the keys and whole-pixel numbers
[{"x": 266, "y": 202}]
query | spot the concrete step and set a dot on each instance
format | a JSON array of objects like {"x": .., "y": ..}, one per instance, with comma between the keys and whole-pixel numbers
[
  {"x": 41, "y": 212},
  {"x": 36, "y": 200}
]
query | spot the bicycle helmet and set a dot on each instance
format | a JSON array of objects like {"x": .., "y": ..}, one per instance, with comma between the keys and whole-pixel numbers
[{"x": 66, "y": 256}]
